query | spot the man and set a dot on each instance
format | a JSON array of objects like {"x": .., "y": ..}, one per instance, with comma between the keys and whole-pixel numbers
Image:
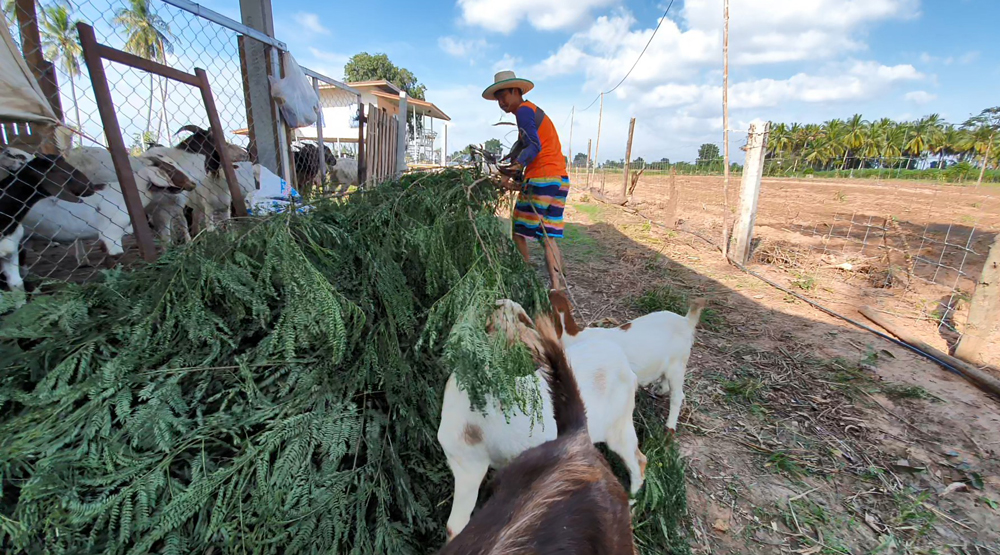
[{"x": 538, "y": 212}]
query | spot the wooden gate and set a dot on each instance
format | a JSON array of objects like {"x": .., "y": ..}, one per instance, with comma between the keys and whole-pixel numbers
[{"x": 380, "y": 146}]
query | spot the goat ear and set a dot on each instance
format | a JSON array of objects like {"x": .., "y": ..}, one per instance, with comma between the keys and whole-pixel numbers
[{"x": 173, "y": 175}]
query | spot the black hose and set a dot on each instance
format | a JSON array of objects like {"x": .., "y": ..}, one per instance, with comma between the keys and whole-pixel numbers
[{"x": 887, "y": 337}]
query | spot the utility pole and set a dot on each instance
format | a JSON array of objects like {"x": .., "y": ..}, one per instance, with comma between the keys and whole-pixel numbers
[
  {"x": 572, "y": 114},
  {"x": 597, "y": 147},
  {"x": 725, "y": 129}
]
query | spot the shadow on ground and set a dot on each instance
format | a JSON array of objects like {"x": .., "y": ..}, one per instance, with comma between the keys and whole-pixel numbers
[{"x": 799, "y": 432}]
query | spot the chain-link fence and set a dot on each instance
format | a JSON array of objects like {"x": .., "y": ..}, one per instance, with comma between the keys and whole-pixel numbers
[
  {"x": 164, "y": 124},
  {"x": 905, "y": 235}
]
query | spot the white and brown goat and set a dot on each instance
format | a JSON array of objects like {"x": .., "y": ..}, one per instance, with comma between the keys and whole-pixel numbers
[
  {"x": 474, "y": 440},
  {"x": 658, "y": 345}
]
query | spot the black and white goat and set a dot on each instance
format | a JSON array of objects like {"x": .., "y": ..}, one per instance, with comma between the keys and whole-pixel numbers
[{"x": 30, "y": 179}]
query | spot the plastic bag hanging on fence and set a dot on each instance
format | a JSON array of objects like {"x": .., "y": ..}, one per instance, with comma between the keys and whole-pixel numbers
[{"x": 297, "y": 99}]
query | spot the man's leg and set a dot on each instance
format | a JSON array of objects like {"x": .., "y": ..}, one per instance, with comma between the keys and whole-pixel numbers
[
  {"x": 521, "y": 242},
  {"x": 553, "y": 263},
  {"x": 551, "y": 202}
]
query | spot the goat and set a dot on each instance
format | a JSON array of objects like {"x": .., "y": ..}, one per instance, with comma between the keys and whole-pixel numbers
[
  {"x": 658, "y": 345},
  {"x": 306, "y": 160},
  {"x": 559, "y": 496},
  {"x": 474, "y": 441},
  {"x": 32, "y": 179},
  {"x": 212, "y": 204},
  {"x": 346, "y": 173},
  {"x": 163, "y": 179}
]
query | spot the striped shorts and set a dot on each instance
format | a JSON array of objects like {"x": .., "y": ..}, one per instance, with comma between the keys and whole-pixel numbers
[{"x": 540, "y": 207}]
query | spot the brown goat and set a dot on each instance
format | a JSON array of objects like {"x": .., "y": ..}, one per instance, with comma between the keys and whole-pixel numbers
[{"x": 559, "y": 497}]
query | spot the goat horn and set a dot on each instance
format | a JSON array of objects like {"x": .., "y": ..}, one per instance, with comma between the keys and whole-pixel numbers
[{"x": 191, "y": 129}]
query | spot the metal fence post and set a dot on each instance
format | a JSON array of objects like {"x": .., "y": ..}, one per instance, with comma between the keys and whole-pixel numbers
[
  {"x": 256, "y": 14},
  {"x": 401, "y": 135}
]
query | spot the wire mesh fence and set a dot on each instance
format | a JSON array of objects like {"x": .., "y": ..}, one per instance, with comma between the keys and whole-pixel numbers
[
  {"x": 907, "y": 235},
  {"x": 164, "y": 124}
]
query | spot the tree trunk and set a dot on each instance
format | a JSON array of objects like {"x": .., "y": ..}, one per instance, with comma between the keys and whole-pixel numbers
[
  {"x": 844, "y": 166},
  {"x": 76, "y": 107},
  {"x": 164, "y": 117},
  {"x": 149, "y": 108},
  {"x": 986, "y": 159}
]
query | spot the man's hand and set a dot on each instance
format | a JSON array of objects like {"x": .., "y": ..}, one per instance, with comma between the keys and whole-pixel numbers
[{"x": 509, "y": 184}]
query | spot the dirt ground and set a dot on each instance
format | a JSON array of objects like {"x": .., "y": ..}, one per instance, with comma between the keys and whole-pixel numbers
[{"x": 801, "y": 433}]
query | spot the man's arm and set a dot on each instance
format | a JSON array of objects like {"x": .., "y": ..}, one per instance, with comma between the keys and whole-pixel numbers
[{"x": 528, "y": 135}]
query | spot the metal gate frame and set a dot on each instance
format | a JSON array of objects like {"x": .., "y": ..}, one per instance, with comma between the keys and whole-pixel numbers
[{"x": 94, "y": 54}]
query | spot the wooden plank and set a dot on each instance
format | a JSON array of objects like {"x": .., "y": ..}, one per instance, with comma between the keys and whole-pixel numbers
[
  {"x": 980, "y": 379},
  {"x": 746, "y": 210},
  {"x": 239, "y": 206},
  {"x": 984, "y": 314},
  {"x": 371, "y": 125},
  {"x": 119, "y": 154}
]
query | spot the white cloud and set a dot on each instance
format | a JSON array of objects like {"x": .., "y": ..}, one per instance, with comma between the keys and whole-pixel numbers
[
  {"x": 504, "y": 16},
  {"x": 468, "y": 48},
  {"x": 310, "y": 23},
  {"x": 330, "y": 64},
  {"x": 969, "y": 57},
  {"x": 507, "y": 62},
  {"x": 772, "y": 31},
  {"x": 928, "y": 59},
  {"x": 919, "y": 97}
]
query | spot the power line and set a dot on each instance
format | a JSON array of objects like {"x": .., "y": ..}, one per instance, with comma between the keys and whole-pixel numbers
[{"x": 637, "y": 59}]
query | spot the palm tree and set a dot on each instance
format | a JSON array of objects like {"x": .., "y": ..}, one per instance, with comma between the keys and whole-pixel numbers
[
  {"x": 854, "y": 136},
  {"x": 148, "y": 37},
  {"x": 59, "y": 40}
]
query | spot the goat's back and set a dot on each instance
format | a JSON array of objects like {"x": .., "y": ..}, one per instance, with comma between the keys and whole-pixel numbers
[{"x": 606, "y": 384}]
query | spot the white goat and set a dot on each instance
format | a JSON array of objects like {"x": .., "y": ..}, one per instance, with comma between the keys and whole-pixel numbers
[
  {"x": 211, "y": 203},
  {"x": 345, "y": 173},
  {"x": 473, "y": 441},
  {"x": 162, "y": 178},
  {"x": 658, "y": 345}
]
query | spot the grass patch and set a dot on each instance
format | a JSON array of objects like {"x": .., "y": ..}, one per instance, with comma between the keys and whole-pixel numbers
[
  {"x": 579, "y": 243},
  {"x": 804, "y": 282},
  {"x": 660, "y": 511},
  {"x": 785, "y": 464},
  {"x": 592, "y": 211},
  {"x": 659, "y": 516},
  {"x": 900, "y": 391},
  {"x": 743, "y": 388},
  {"x": 840, "y": 196},
  {"x": 665, "y": 297}
]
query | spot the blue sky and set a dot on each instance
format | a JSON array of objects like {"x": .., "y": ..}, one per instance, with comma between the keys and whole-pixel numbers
[{"x": 790, "y": 60}]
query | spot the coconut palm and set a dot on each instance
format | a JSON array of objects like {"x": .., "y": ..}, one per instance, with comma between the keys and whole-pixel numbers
[
  {"x": 60, "y": 44},
  {"x": 854, "y": 137},
  {"x": 148, "y": 36}
]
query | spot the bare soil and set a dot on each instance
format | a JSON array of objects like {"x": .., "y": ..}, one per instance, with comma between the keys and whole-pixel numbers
[{"x": 801, "y": 433}]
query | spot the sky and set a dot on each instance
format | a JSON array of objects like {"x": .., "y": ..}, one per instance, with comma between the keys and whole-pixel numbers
[{"x": 803, "y": 61}]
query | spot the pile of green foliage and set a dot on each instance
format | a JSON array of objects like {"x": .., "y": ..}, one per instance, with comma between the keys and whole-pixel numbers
[{"x": 274, "y": 388}]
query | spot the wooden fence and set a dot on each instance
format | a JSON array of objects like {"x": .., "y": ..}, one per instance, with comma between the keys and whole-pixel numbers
[{"x": 380, "y": 145}]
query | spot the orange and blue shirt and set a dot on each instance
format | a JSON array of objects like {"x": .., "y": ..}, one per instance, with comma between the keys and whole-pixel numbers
[{"x": 542, "y": 155}]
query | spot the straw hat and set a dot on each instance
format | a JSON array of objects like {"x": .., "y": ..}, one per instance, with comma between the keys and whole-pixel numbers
[{"x": 506, "y": 80}]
